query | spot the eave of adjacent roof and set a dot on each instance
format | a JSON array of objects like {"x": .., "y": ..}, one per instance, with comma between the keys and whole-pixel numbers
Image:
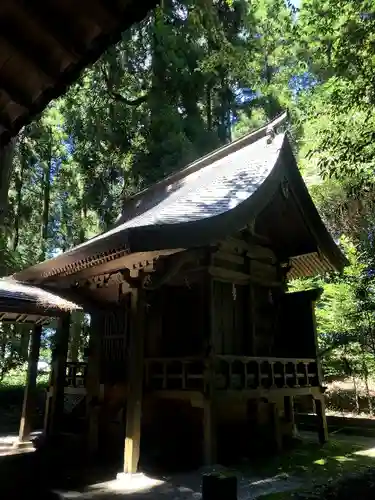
[{"x": 21, "y": 302}]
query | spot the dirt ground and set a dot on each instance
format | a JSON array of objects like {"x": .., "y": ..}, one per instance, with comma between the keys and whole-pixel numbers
[
  {"x": 300, "y": 469},
  {"x": 180, "y": 487},
  {"x": 303, "y": 467}
]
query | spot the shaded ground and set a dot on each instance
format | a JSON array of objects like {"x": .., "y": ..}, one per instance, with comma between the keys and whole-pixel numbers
[
  {"x": 48, "y": 476},
  {"x": 301, "y": 469},
  {"x": 180, "y": 487}
]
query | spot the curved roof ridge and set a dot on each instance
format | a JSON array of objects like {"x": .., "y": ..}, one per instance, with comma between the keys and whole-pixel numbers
[{"x": 134, "y": 202}]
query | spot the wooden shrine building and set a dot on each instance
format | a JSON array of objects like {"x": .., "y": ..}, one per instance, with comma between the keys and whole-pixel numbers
[
  {"x": 195, "y": 342},
  {"x": 30, "y": 305}
]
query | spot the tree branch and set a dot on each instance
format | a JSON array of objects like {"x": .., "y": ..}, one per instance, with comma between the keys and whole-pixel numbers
[{"x": 119, "y": 97}]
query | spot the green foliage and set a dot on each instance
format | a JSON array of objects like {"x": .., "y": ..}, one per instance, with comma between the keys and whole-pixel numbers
[{"x": 247, "y": 124}]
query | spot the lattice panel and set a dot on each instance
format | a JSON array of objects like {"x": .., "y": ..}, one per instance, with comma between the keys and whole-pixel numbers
[{"x": 115, "y": 325}]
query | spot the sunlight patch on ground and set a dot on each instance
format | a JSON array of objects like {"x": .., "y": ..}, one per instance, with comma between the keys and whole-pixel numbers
[
  {"x": 127, "y": 483},
  {"x": 270, "y": 480},
  {"x": 8, "y": 440},
  {"x": 343, "y": 458},
  {"x": 369, "y": 452},
  {"x": 321, "y": 461}
]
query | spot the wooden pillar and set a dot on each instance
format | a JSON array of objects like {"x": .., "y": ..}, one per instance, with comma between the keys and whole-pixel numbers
[
  {"x": 275, "y": 419},
  {"x": 288, "y": 409},
  {"x": 322, "y": 420},
  {"x": 135, "y": 382},
  {"x": 30, "y": 395},
  {"x": 56, "y": 405},
  {"x": 93, "y": 387},
  {"x": 209, "y": 431},
  {"x": 209, "y": 406},
  {"x": 289, "y": 415}
]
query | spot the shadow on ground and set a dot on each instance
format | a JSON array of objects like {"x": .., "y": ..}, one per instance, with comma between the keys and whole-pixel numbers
[{"x": 37, "y": 474}]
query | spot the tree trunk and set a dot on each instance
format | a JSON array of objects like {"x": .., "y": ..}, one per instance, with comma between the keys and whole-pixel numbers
[
  {"x": 356, "y": 398},
  {"x": 209, "y": 107},
  {"x": 2, "y": 352},
  {"x": 46, "y": 186},
  {"x": 224, "y": 126},
  {"x": 368, "y": 395},
  {"x": 18, "y": 210},
  {"x": 6, "y": 165}
]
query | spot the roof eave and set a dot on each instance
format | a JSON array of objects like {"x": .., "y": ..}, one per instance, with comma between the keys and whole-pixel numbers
[{"x": 324, "y": 240}]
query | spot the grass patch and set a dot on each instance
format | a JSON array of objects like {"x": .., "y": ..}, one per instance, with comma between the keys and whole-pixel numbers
[
  {"x": 315, "y": 464},
  {"x": 12, "y": 390},
  {"x": 313, "y": 460}
]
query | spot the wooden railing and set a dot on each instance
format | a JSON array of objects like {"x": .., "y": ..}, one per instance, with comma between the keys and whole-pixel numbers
[
  {"x": 175, "y": 373},
  {"x": 75, "y": 374},
  {"x": 231, "y": 372},
  {"x": 241, "y": 372}
]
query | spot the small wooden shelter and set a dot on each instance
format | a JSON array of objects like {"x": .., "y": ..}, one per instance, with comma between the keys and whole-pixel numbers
[
  {"x": 31, "y": 305},
  {"x": 195, "y": 338}
]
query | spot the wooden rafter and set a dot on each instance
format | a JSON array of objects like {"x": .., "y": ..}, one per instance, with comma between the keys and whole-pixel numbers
[
  {"x": 55, "y": 23},
  {"x": 53, "y": 42}
]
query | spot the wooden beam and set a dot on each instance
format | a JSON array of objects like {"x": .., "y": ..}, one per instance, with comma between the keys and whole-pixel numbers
[
  {"x": 114, "y": 7},
  {"x": 230, "y": 257},
  {"x": 239, "y": 278},
  {"x": 17, "y": 39},
  {"x": 30, "y": 395},
  {"x": 135, "y": 379},
  {"x": 98, "y": 12},
  {"x": 52, "y": 23},
  {"x": 5, "y": 119},
  {"x": 56, "y": 405},
  {"x": 15, "y": 93}
]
